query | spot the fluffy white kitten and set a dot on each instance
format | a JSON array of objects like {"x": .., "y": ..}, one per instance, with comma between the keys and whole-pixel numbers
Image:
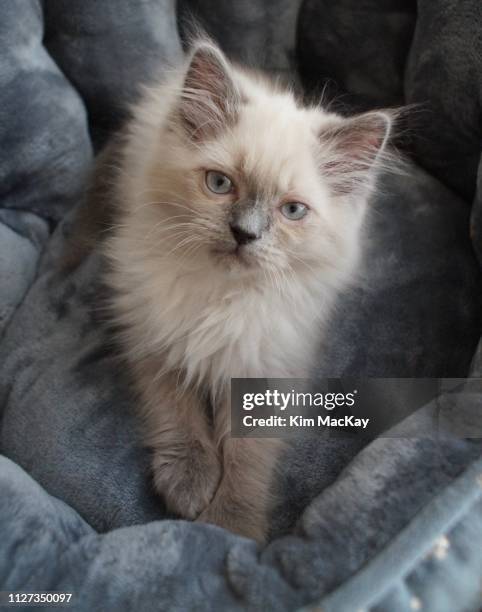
[{"x": 238, "y": 220}]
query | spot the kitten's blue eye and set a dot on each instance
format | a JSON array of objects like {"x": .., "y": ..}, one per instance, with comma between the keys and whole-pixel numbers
[
  {"x": 294, "y": 211},
  {"x": 218, "y": 182}
]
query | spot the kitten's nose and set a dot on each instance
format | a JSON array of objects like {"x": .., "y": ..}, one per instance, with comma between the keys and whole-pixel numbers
[{"x": 241, "y": 235}]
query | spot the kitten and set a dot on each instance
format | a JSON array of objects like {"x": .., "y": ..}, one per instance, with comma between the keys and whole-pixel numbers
[{"x": 238, "y": 220}]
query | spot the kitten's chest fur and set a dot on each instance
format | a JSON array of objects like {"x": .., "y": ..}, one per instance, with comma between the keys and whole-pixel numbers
[{"x": 213, "y": 331}]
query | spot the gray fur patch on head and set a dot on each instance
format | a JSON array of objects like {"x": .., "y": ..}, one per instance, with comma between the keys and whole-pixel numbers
[{"x": 252, "y": 216}]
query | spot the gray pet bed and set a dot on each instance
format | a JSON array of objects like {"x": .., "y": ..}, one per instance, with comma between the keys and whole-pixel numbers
[{"x": 394, "y": 524}]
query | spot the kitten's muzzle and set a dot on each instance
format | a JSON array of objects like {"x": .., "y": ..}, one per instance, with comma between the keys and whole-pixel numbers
[{"x": 248, "y": 222}]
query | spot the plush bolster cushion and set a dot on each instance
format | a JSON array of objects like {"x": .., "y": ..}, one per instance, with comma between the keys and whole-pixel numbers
[
  {"x": 444, "y": 76},
  {"x": 259, "y": 33},
  {"x": 45, "y": 148},
  {"x": 437, "y": 68},
  {"x": 476, "y": 220},
  {"x": 107, "y": 49},
  {"x": 355, "y": 50}
]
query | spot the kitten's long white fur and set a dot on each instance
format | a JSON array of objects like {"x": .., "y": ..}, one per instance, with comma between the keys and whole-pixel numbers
[{"x": 213, "y": 321}]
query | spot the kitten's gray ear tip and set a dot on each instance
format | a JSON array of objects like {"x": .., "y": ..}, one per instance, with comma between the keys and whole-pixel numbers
[
  {"x": 383, "y": 123},
  {"x": 205, "y": 47},
  {"x": 383, "y": 119},
  {"x": 386, "y": 118}
]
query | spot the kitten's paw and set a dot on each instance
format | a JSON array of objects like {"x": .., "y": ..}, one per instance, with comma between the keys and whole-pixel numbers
[
  {"x": 242, "y": 519},
  {"x": 187, "y": 481}
]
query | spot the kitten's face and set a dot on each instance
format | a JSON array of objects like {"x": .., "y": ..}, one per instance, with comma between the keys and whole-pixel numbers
[{"x": 253, "y": 182}]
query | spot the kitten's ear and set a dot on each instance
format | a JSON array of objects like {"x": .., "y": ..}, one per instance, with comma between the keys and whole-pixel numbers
[
  {"x": 353, "y": 149},
  {"x": 209, "y": 98}
]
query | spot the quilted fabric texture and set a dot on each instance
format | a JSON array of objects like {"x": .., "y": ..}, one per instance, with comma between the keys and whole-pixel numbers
[{"x": 388, "y": 525}]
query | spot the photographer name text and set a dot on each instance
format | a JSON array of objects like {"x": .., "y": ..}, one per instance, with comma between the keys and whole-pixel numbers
[{"x": 300, "y": 421}]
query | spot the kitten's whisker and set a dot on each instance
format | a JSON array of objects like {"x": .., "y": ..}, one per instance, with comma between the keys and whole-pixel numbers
[
  {"x": 113, "y": 226},
  {"x": 159, "y": 227},
  {"x": 279, "y": 280},
  {"x": 301, "y": 261},
  {"x": 189, "y": 254},
  {"x": 158, "y": 203},
  {"x": 268, "y": 270},
  {"x": 199, "y": 216},
  {"x": 179, "y": 205},
  {"x": 183, "y": 240},
  {"x": 186, "y": 241}
]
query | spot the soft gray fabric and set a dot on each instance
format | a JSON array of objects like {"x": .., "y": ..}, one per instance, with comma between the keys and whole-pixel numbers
[
  {"x": 444, "y": 76},
  {"x": 107, "y": 49},
  {"x": 476, "y": 220},
  {"x": 356, "y": 50},
  {"x": 356, "y": 523},
  {"x": 43, "y": 130},
  {"x": 409, "y": 317},
  {"x": 22, "y": 235},
  {"x": 383, "y": 508},
  {"x": 259, "y": 33},
  {"x": 425, "y": 54}
]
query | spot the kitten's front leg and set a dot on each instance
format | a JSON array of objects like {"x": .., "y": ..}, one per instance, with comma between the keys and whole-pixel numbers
[
  {"x": 186, "y": 464},
  {"x": 245, "y": 496}
]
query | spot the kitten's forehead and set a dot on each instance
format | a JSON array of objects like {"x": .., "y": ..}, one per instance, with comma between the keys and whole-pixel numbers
[
  {"x": 277, "y": 143},
  {"x": 271, "y": 145}
]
